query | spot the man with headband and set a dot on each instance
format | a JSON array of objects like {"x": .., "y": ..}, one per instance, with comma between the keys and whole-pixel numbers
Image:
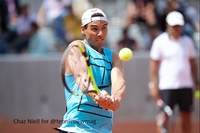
[{"x": 92, "y": 113}]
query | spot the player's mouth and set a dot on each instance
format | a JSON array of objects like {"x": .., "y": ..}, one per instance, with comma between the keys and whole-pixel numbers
[{"x": 101, "y": 39}]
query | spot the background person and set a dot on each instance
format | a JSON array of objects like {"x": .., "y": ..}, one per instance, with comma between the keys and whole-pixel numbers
[
  {"x": 173, "y": 71},
  {"x": 52, "y": 13},
  {"x": 127, "y": 41}
]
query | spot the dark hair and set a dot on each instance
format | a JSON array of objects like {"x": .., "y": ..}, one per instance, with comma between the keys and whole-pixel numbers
[
  {"x": 94, "y": 15},
  {"x": 97, "y": 15}
]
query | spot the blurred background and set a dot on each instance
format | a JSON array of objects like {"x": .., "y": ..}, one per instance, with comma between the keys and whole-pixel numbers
[{"x": 33, "y": 36}]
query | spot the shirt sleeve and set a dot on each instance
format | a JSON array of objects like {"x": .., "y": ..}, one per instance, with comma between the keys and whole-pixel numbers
[{"x": 155, "y": 51}]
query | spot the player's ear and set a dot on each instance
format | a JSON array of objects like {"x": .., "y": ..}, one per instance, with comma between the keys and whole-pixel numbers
[{"x": 82, "y": 30}]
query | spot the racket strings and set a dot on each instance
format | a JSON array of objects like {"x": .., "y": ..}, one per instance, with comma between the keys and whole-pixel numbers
[
  {"x": 83, "y": 85},
  {"x": 89, "y": 68}
]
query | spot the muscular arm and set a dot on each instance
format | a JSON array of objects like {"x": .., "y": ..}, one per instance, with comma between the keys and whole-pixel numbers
[
  {"x": 117, "y": 78},
  {"x": 41, "y": 17},
  {"x": 118, "y": 83},
  {"x": 131, "y": 13},
  {"x": 75, "y": 64}
]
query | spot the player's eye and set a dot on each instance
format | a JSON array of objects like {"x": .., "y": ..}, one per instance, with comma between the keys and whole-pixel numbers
[
  {"x": 104, "y": 28},
  {"x": 94, "y": 29}
]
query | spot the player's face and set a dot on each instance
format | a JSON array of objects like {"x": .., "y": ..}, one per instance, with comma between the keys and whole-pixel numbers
[
  {"x": 175, "y": 31},
  {"x": 96, "y": 32}
]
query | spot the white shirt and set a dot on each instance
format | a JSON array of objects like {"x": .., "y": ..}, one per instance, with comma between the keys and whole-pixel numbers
[{"x": 174, "y": 56}]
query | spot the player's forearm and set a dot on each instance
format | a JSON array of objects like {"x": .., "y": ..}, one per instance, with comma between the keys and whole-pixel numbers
[
  {"x": 118, "y": 84},
  {"x": 41, "y": 17},
  {"x": 153, "y": 73},
  {"x": 118, "y": 91},
  {"x": 154, "y": 81},
  {"x": 194, "y": 71}
]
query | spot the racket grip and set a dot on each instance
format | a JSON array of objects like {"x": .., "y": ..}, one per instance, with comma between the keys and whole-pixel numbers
[
  {"x": 164, "y": 107},
  {"x": 102, "y": 94}
]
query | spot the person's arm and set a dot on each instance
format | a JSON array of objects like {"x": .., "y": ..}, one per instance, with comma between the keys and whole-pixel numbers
[
  {"x": 41, "y": 17},
  {"x": 131, "y": 13},
  {"x": 75, "y": 64},
  {"x": 118, "y": 82},
  {"x": 194, "y": 71},
  {"x": 154, "y": 79}
]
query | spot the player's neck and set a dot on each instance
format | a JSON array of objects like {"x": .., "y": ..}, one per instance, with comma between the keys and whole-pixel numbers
[
  {"x": 92, "y": 45},
  {"x": 174, "y": 36}
]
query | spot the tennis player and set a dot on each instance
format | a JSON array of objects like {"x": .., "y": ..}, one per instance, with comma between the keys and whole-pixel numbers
[{"x": 92, "y": 113}]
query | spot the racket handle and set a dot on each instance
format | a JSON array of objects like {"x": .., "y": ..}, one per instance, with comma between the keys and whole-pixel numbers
[
  {"x": 102, "y": 93},
  {"x": 164, "y": 107}
]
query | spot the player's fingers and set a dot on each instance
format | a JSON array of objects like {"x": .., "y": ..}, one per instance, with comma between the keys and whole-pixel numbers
[
  {"x": 116, "y": 104},
  {"x": 104, "y": 102},
  {"x": 104, "y": 97},
  {"x": 95, "y": 98},
  {"x": 98, "y": 99}
]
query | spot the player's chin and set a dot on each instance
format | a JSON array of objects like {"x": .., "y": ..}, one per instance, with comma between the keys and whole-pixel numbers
[{"x": 100, "y": 42}]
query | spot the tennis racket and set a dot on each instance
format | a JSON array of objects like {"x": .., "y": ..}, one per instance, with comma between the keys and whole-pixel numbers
[
  {"x": 165, "y": 109},
  {"x": 161, "y": 105},
  {"x": 91, "y": 81},
  {"x": 161, "y": 116}
]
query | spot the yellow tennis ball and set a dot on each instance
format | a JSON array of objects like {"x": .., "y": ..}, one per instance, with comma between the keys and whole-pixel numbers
[{"x": 125, "y": 54}]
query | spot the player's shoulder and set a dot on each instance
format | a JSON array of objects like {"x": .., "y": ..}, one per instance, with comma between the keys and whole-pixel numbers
[
  {"x": 163, "y": 37},
  {"x": 72, "y": 46},
  {"x": 186, "y": 38},
  {"x": 76, "y": 43}
]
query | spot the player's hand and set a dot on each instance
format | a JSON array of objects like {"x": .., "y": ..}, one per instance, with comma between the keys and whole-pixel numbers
[
  {"x": 114, "y": 105},
  {"x": 104, "y": 99},
  {"x": 109, "y": 102},
  {"x": 154, "y": 93}
]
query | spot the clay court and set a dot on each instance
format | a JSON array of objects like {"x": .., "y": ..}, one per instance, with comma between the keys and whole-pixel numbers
[{"x": 119, "y": 127}]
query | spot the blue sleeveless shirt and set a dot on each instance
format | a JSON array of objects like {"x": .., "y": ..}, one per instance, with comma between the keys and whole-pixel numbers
[{"x": 83, "y": 114}]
